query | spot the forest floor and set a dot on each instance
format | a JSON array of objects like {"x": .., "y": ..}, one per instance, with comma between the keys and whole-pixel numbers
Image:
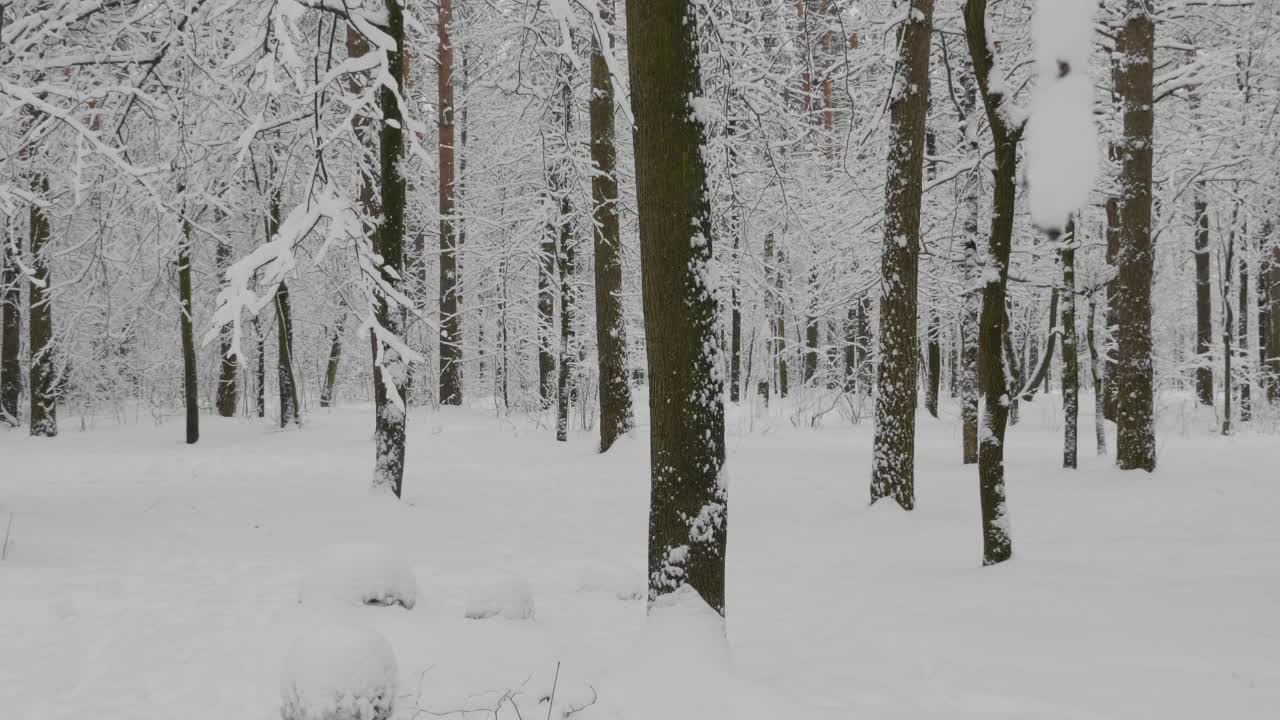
[{"x": 144, "y": 579}]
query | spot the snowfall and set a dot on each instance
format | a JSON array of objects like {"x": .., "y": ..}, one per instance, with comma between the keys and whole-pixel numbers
[{"x": 254, "y": 574}]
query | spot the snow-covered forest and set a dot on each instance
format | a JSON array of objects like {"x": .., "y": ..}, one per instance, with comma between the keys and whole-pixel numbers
[{"x": 371, "y": 359}]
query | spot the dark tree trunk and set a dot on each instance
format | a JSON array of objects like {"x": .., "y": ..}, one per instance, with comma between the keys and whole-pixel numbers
[
  {"x": 851, "y": 350},
  {"x": 1246, "y": 384},
  {"x": 1204, "y": 319},
  {"x": 893, "y": 467},
  {"x": 1135, "y": 48},
  {"x": 331, "y": 368},
  {"x": 811, "y": 338},
  {"x": 260, "y": 376},
  {"x": 229, "y": 367},
  {"x": 10, "y": 331},
  {"x": 997, "y": 545},
  {"x": 1225, "y": 269},
  {"x": 391, "y": 368},
  {"x": 1070, "y": 353},
  {"x": 190, "y": 392},
  {"x": 933, "y": 376},
  {"x": 450, "y": 323},
  {"x": 1273, "y": 339},
  {"x": 1110, "y": 388},
  {"x": 285, "y": 382},
  {"x": 566, "y": 266},
  {"x": 42, "y": 384},
  {"x": 1268, "y": 322},
  {"x": 776, "y": 313},
  {"x": 688, "y": 500},
  {"x": 866, "y": 369},
  {"x": 546, "y": 318},
  {"x": 968, "y": 384},
  {"x": 616, "y": 417}
]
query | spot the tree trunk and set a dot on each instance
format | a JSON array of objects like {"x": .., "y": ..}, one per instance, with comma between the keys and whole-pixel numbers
[
  {"x": 688, "y": 497},
  {"x": 390, "y": 369},
  {"x": 1204, "y": 319},
  {"x": 190, "y": 392},
  {"x": 893, "y": 467},
  {"x": 775, "y": 311},
  {"x": 260, "y": 378},
  {"x": 1225, "y": 269},
  {"x": 997, "y": 544},
  {"x": 566, "y": 266},
  {"x": 933, "y": 378},
  {"x": 973, "y": 265},
  {"x": 1246, "y": 383},
  {"x": 1070, "y": 353},
  {"x": 229, "y": 367},
  {"x": 1266, "y": 382},
  {"x": 10, "y": 330},
  {"x": 285, "y": 382},
  {"x": 1135, "y": 47},
  {"x": 811, "y": 339},
  {"x": 546, "y": 317},
  {"x": 331, "y": 368},
  {"x": 1032, "y": 385},
  {"x": 450, "y": 323},
  {"x": 1273, "y": 340},
  {"x": 42, "y": 384},
  {"x": 616, "y": 417},
  {"x": 1095, "y": 369},
  {"x": 1111, "y": 393}
]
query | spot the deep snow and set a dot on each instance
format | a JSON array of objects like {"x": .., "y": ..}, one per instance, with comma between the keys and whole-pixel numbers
[{"x": 147, "y": 579}]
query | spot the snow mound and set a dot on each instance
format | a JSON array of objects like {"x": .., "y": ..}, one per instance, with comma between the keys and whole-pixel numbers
[
  {"x": 680, "y": 669},
  {"x": 340, "y": 672},
  {"x": 510, "y": 598},
  {"x": 362, "y": 573}
]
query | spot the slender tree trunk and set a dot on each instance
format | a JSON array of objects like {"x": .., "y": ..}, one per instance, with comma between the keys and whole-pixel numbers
[
  {"x": 450, "y": 323},
  {"x": 1111, "y": 390},
  {"x": 1225, "y": 269},
  {"x": 933, "y": 377},
  {"x": 566, "y": 265},
  {"x": 1070, "y": 353},
  {"x": 1273, "y": 340},
  {"x": 190, "y": 392},
  {"x": 42, "y": 384},
  {"x": 260, "y": 378},
  {"x": 1265, "y": 381},
  {"x": 616, "y": 417},
  {"x": 997, "y": 544},
  {"x": 288, "y": 387},
  {"x": 893, "y": 467},
  {"x": 331, "y": 369},
  {"x": 811, "y": 335},
  {"x": 1246, "y": 384},
  {"x": 866, "y": 368},
  {"x": 10, "y": 330},
  {"x": 229, "y": 366},
  {"x": 688, "y": 498},
  {"x": 1042, "y": 369},
  {"x": 546, "y": 318},
  {"x": 1204, "y": 319},
  {"x": 1095, "y": 369},
  {"x": 390, "y": 369},
  {"x": 973, "y": 265},
  {"x": 1135, "y": 48}
]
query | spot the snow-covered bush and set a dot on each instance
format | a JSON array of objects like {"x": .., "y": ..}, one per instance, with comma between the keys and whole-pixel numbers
[
  {"x": 360, "y": 573},
  {"x": 510, "y": 598},
  {"x": 341, "y": 672}
]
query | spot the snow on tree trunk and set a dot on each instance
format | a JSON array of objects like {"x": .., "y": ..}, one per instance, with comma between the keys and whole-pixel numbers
[
  {"x": 1135, "y": 48},
  {"x": 229, "y": 365},
  {"x": 1204, "y": 317},
  {"x": 688, "y": 497},
  {"x": 450, "y": 321},
  {"x": 616, "y": 417},
  {"x": 42, "y": 384},
  {"x": 893, "y": 463},
  {"x": 1070, "y": 353},
  {"x": 11, "y": 328},
  {"x": 190, "y": 392}
]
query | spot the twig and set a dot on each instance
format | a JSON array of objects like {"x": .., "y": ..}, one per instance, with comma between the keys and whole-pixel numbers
[
  {"x": 4, "y": 552},
  {"x": 551, "y": 701}
]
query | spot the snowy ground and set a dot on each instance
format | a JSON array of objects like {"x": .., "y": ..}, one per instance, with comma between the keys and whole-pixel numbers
[{"x": 147, "y": 579}]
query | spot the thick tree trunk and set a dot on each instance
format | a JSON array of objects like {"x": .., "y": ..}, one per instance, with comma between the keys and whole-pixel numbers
[
  {"x": 893, "y": 467},
  {"x": 10, "y": 331},
  {"x": 190, "y": 392},
  {"x": 1070, "y": 353},
  {"x": 1135, "y": 48},
  {"x": 688, "y": 497},
  {"x": 997, "y": 544},
  {"x": 42, "y": 384},
  {"x": 229, "y": 366},
  {"x": 391, "y": 369},
  {"x": 327, "y": 398},
  {"x": 616, "y": 417},
  {"x": 1204, "y": 318},
  {"x": 968, "y": 384},
  {"x": 450, "y": 323}
]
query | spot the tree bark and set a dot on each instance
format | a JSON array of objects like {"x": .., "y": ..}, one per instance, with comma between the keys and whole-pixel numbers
[
  {"x": 893, "y": 467},
  {"x": 285, "y": 383},
  {"x": 1246, "y": 383},
  {"x": 450, "y": 323},
  {"x": 997, "y": 544},
  {"x": 933, "y": 356},
  {"x": 331, "y": 368},
  {"x": 1070, "y": 353},
  {"x": 391, "y": 368},
  {"x": 190, "y": 392},
  {"x": 1095, "y": 369},
  {"x": 229, "y": 365},
  {"x": 616, "y": 418},
  {"x": 688, "y": 497},
  {"x": 1273, "y": 339},
  {"x": 1041, "y": 375},
  {"x": 10, "y": 330},
  {"x": 546, "y": 317},
  {"x": 42, "y": 383},
  {"x": 1111, "y": 393},
  {"x": 260, "y": 377},
  {"x": 1204, "y": 318},
  {"x": 1135, "y": 48}
]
